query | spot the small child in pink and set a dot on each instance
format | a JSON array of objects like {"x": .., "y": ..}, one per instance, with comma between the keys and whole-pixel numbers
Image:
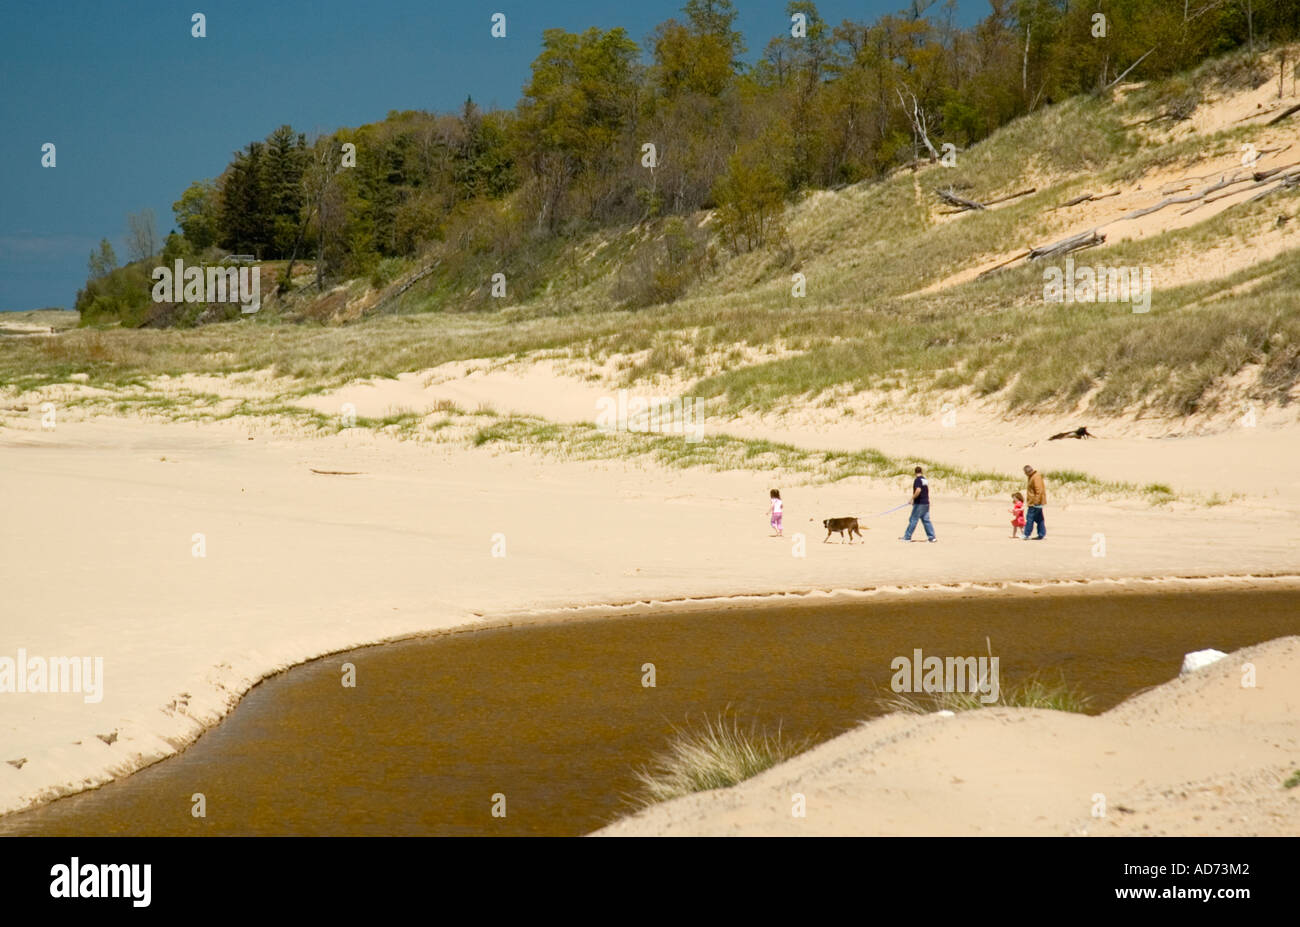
[
  {"x": 1017, "y": 514},
  {"x": 775, "y": 511}
]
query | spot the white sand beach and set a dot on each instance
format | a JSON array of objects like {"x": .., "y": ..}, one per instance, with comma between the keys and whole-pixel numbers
[{"x": 398, "y": 540}]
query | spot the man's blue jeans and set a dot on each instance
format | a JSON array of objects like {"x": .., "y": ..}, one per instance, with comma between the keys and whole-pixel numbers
[
  {"x": 921, "y": 513},
  {"x": 1034, "y": 514}
]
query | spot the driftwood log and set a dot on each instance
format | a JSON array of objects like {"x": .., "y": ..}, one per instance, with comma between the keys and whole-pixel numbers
[
  {"x": 1088, "y": 239},
  {"x": 1077, "y": 433},
  {"x": 406, "y": 286},
  {"x": 964, "y": 205},
  {"x": 1289, "y": 111},
  {"x": 1087, "y": 198},
  {"x": 1264, "y": 183}
]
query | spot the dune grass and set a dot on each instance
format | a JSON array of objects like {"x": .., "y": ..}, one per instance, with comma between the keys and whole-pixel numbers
[
  {"x": 714, "y": 754},
  {"x": 1031, "y": 693},
  {"x": 578, "y": 441},
  {"x": 582, "y": 441}
]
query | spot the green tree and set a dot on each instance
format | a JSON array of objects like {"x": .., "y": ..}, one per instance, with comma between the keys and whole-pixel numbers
[
  {"x": 197, "y": 213},
  {"x": 751, "y": 200},
  {"x": 286, "y": 159},
  {"x": 246, "y": 217},
  {"x": 482, "y": 163},
  {"x": 103, "y": 261},
  {"x": 580, "y": 98},
  {"x": 716, "y": 18},
  {"x": 688, "y": 62}
]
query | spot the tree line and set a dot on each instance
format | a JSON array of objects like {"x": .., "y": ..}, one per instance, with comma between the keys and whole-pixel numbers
[{"x": 823, "y": 105}]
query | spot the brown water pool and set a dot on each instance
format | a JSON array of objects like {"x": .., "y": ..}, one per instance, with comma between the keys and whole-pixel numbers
[{"x": 555, "y": 716}]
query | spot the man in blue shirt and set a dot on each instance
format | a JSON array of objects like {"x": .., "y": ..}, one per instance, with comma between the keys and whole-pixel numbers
[{"x": 920, "y": 508}]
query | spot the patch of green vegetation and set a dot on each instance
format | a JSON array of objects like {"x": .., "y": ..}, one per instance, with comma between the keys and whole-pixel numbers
[
  {"x": 581, "y": 441},
  {"x": 1159, "y": 493},
  {"x": 402, "y": 422},
  {"x": 1066, "y": 476}
]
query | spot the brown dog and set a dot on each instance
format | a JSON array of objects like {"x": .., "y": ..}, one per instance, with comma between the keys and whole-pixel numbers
[{"x": 841, "y": 525}]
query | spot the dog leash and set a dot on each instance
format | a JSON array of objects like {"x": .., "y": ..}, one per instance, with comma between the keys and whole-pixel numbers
[{"x": 887, "y": 511}]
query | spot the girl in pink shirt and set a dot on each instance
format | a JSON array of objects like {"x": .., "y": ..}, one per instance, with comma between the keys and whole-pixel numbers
[{"x": 774, "y": 510}]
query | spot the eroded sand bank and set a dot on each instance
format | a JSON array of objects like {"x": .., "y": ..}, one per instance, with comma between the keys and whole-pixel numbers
[{"x": 1203, "y": 754}]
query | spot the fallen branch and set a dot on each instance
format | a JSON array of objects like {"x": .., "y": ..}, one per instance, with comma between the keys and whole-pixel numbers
[
  {"x": 1258, "y": 179},
  {"x": 1088, "y": 239},
  {"x": 1010, "y": 260},
  {"x": 1264, "y": 175},
  {"x": 1175, "y": 115},
  {"x": 1290, "y": 180},
  {"x": 1012, "y": 196},
  {"x": 964, "y": 205},
  {"x": 1289, "y": 111},
  {"x": 1076, "y": 433},
  {"x": 1129, "y": 68},
  {"x": 1167, "y": 201},
  {"x": 337, "y": 472},
  {"x": 1086, "y": 198},
  {"x": 406, "y": 286},
  {"x": 952, "y": 199}
]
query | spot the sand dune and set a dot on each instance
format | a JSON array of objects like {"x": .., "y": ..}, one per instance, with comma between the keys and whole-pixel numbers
[
  {"x": 1207, "y": 455},
  {"x": 1200, "y": 755}
]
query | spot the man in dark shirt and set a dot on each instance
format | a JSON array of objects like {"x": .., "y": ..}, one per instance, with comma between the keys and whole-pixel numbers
[{"x": 920, "y": 508}]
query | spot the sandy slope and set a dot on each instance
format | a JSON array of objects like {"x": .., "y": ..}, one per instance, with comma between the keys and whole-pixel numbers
[
  {"x": 1222, "y": 456},
  {"x": 1217, "y": 112},
  {"x": 1200, "y": 755},
  {"x": 100, "y": 515}
]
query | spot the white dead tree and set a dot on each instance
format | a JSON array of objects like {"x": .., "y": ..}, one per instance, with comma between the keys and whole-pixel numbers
[{"x": 916, "y": 116}]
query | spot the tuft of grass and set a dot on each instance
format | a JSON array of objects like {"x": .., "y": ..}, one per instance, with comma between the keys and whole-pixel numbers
[
  {"x": 1293, "y": 781},
  {"x": 1032, "y": 693},
  {"x": 717, "y": 754},
  {"x": 1158, "y": 493}
]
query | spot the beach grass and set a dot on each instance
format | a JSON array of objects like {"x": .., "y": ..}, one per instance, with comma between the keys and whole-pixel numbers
[
  {"x": 485, "y": 428},
  {"x": 714, "y": 754},
  {"x": 1031, "y": 693}
]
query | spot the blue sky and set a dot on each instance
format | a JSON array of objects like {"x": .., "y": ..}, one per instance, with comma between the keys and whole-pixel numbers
[{"x": 137, "y": 108}]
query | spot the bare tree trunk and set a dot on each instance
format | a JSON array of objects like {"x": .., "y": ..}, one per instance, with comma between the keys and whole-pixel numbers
[
  {"x": 1129, "y": 68},
  {"x": 1024, "y": 65},
  {"x": 293, "y": 258},
  {"x": 917, "y": 118},
  {"x": 320, "y": 249}
]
